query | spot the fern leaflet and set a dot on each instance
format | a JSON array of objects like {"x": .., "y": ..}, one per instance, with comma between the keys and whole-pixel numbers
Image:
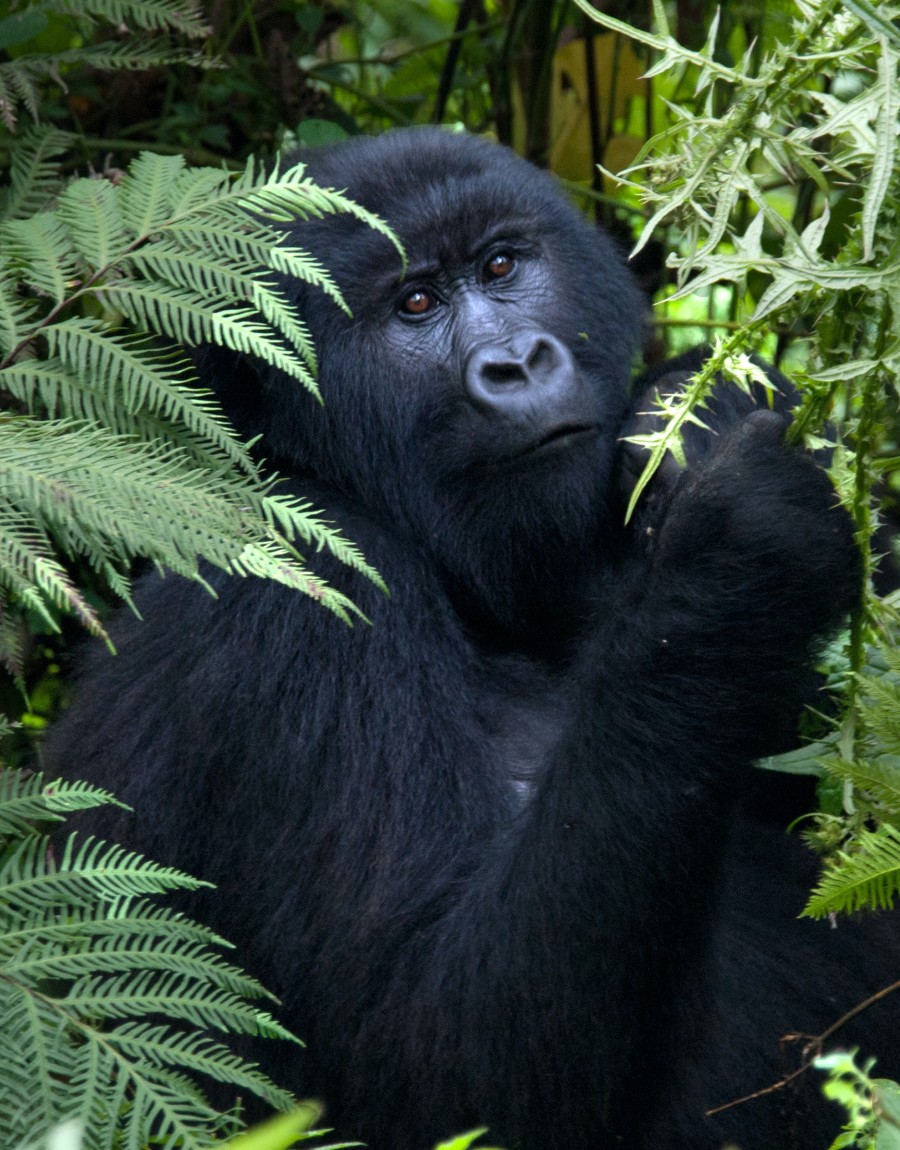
[
  {"x": 88, "y": 966},
  {"x": 868, "y": 878}
]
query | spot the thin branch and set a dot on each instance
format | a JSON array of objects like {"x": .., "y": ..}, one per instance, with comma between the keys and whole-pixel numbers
[{"x": 812, "y": 1050}]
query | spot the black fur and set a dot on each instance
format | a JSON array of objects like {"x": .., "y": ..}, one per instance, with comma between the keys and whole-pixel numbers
[{"x": 492, "y": 850}]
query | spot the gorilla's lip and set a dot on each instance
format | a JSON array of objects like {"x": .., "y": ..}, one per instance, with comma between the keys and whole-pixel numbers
[{"x": 561, "y": 437}]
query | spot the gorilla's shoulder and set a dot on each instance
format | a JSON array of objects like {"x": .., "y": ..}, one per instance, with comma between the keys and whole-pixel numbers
[{"x": 223, "y": 611}]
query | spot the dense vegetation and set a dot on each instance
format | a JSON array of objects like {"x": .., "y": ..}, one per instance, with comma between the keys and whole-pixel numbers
[{"x": 758, "y": 146}]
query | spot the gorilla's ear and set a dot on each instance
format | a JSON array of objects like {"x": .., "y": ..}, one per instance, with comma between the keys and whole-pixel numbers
[{"x": 235, "y": 380}]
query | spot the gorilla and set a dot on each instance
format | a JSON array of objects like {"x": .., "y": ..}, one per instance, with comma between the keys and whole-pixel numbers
[{"x": 497, "y": 849}]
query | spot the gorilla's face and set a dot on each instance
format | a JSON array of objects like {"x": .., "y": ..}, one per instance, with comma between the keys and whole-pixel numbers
[
  {"x": 477, "y": 392},
  {"x": 481, "y": 325}
]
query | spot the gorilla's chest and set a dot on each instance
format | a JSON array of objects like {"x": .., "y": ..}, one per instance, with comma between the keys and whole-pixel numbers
[{"x": 523, "y": 709}]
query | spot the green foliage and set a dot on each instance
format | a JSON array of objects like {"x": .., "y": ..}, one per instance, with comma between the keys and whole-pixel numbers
[
  {"x": 820, "y": 107},
  {"x": 109, "y": 448},
  {"x": 397, "y": 64},
  {"x": 872, "y": 1104},
  {"x": 863, "y": 865},
  {"x": 870, "y": 877},
  {"x": 108, "y": 997},
  {"x": 779, "y": 174},
  {"x": 463, "y": 1141},
  {"x": 283, "y": 1131},
  {"x": 111, "y": 1001},
  {"x": 22, "y": 77}
]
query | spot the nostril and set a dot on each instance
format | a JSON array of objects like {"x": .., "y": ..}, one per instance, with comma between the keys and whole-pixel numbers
[
  {"x": 530, "y": 364},
  {"x": 524, "y": 370},
  {"x": 541, "y": 358},
  {"x": 498, "y": 372}
]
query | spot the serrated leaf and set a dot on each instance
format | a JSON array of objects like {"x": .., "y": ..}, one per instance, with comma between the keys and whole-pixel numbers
[
  {"x": 146, "y": 192},
  {"x": 884, "y": 160},
  {"x": 868, "y": 878},
  {"x": 89, "y": 209}
]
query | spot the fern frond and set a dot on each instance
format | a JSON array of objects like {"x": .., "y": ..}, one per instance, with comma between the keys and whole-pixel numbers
[
  {"x": 104, "y": 938},
  {"x": 271, "y": 559},
  {"x": 868, "y": 878},
  {"x": 296, "y": 519},
  {"x": 239, "y": 278},
  {"x": 34, "y": 1060},
  {"x": 194, "y": 188},
  {"x": 84, "y": 484},
  {"x": 31, "y": 879},
  {"x": 89, "y": 211},
  {"x": 16, "y": 313},
  {"x": 163, "y": 1046},
  {"x": 18, "y": 85},
  {"x": 29, "y": 569},
  {"x": 47, "y": 387},
  {"x": 146, "y": 191},
  {"x": 85, "y": 959},
  {"x": 265, "y": 248},
  {"x": 40, "y": 249},
  {"x": 171, "y": 995},
  {"x": 193, "y": 318},
  {"x": 129, "y": 56},
  {"x": 120, "y": 453},
  {"x": 289, "y": 194},
  {"x": 25, "y": 798},
  {"x": 21, "y": 79},
  {"x": 182, "y": 16},
  {"x": 880, "y": 707},
  {"x": 878, "y": 775},
  {"x": 34, "y": 172},
  {"x": 138, "y": 375}
]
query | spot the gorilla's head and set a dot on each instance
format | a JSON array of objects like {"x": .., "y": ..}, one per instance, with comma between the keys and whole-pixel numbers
[{"x": 475, "y": 395}]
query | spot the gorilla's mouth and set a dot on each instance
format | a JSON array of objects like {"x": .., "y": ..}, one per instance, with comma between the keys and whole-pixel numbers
[{"x": 562, "y": 437}]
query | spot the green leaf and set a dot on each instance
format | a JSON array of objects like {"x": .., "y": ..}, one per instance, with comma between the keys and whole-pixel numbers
[
  {"x": 463, "y": 1141},
  {"x": 884, "y": 160},
  {"x": 281, "y": 1132},
  {"x": 42, "y": 249},
  {"x": 146, "y": 192},
  {"x": 869, "y": 14},
  {"x": 84, "y": 959},
  {"x": 34, "y": 172},
  {"x": 25, "y": 798},
  {"x": 20, "y": 27},
  {"x": 868, "y": 878}
]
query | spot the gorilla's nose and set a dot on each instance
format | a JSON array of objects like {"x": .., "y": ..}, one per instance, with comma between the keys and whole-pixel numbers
[{"x": 532, "y": 367}]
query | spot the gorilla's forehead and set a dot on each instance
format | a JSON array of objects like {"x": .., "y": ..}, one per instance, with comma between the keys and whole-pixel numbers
[
  {"x": 443, "y": 193},
  {"x": 453, "y": 220}
]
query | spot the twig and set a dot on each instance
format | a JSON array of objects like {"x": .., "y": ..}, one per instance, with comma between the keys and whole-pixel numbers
[{"x": 812, "y": 1050}]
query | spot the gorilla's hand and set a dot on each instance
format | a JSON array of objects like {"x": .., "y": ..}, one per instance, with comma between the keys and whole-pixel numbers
[
  {"x": 727, "y": 406},
  {"x": 760, "y": 522}
]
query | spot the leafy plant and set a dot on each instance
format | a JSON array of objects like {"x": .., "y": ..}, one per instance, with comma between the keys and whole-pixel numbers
[
  {"x": 872, "y": 1104},
  {"x": 107, "y": 996},
  {"x": 284, "y": 1131},
  {"x": 780, "y": 175},
  {"x": 863, "y": 864},
  {"x": 109, "y": 449},
  {"x": 22, "y": 77}
]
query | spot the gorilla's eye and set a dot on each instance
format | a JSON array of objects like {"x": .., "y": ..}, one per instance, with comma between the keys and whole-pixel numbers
[
  {"x": 419, "y": 301},
  {"x": 498, "y": 266}
]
